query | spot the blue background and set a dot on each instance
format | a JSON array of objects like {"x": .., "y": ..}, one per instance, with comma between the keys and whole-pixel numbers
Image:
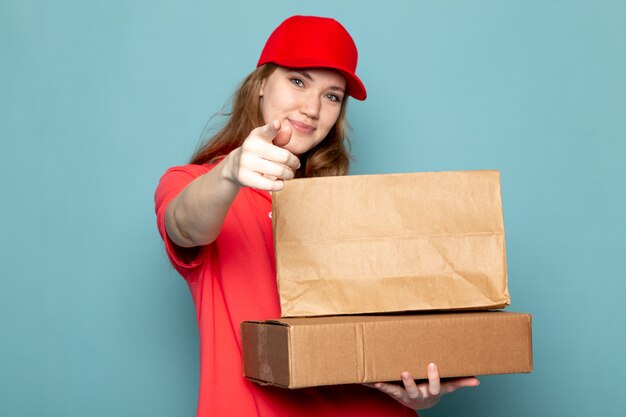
[{"x": 98, "y": 98}]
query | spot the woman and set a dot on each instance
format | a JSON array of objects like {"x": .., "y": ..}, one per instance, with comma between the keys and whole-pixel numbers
[{"x": 288, "y": 120}]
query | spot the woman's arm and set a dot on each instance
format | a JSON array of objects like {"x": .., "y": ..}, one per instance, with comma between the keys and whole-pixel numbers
[{"x": 196, "y": 215}]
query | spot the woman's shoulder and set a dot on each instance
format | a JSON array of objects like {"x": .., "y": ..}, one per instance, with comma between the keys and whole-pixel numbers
[
  {"x": 186, "y": 172},
  {"x": 189, "y": 169},
  {"x": 175, "y": 178}
]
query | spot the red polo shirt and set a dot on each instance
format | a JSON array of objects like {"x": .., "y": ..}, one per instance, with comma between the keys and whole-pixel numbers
[{"x": 233, "y": 280}]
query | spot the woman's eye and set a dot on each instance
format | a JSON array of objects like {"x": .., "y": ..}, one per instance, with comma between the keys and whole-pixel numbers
[
  {"x": 297, "y": 81},
  {"x": 333, "y": 97}
]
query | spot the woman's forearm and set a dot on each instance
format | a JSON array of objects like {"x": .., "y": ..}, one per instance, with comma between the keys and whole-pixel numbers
[{"x": 196, "y": 215}]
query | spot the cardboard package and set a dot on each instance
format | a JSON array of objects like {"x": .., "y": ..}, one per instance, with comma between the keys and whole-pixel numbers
[
  {"x": 390, "y": 243},
  {"x": 305, "y": 352}
]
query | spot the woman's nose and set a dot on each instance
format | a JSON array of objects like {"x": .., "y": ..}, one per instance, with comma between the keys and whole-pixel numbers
[{"x": 310, "y": 106}]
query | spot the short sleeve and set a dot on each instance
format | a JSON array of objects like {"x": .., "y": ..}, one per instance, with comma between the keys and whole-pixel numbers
[{"x": 170, "y": 185}]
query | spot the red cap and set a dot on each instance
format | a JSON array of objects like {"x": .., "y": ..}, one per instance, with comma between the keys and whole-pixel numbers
[{"x": 311, "y": 41}]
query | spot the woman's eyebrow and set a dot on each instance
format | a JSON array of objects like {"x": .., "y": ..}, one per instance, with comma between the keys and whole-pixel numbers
[
  {"x": 309, "y": 77},
  {"x": 305, "y": 75}
]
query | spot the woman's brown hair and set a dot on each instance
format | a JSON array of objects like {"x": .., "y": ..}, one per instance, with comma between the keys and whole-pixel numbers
[{"x": 329, "y": 157}]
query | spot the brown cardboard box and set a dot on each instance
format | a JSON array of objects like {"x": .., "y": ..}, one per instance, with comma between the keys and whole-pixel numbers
[
  {"x": 390, "y": 243},
  {"x": 304, "y": 352}
]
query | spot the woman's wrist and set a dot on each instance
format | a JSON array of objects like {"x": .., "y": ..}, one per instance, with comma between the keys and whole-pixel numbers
[{"x": 228, "y": 170}]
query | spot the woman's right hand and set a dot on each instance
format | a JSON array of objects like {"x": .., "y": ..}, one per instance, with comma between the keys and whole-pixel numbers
[
  {"x": 196, "y": 215},
  {"x": 261, "y": 162}
]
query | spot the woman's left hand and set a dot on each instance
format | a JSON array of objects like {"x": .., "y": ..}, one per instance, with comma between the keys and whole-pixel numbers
[{"x": 426, "y": 394}]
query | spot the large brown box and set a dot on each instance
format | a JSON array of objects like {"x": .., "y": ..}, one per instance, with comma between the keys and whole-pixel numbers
[
  {"x": 390, "y": 243},
  {"x": 305, "y": 352}
]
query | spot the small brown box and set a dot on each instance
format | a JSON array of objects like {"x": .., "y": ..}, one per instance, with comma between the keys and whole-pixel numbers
[
  {"x": 390, "y": 243},
  {"x": 305, "y": 352}
]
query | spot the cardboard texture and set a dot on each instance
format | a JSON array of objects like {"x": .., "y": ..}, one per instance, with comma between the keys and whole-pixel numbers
[
  {"x": 306, "y": 352},
  {"x": 390, "y": 243}
]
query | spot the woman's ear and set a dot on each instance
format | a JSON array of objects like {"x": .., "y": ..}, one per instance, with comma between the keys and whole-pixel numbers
[{"x": 262, "y": 87}]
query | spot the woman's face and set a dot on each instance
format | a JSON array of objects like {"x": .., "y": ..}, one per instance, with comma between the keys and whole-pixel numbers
[{"x": 308, "y": 99}]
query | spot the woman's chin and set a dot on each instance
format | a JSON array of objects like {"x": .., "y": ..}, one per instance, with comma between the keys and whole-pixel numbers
[
  {"x": 299, "y": 146},
  {"x": 296, "y": 148}
]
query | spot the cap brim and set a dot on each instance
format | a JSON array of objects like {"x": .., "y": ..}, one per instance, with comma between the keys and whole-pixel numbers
[{"x": 356, "y": 88}]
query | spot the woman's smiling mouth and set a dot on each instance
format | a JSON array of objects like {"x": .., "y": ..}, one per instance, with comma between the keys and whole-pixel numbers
[{"x": 301, "y": 127}]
